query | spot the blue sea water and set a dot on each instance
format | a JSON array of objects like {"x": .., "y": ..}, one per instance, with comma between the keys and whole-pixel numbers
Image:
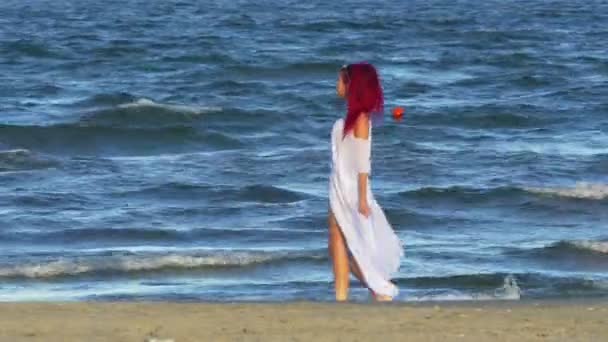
[{"x": 179, "y": 149}]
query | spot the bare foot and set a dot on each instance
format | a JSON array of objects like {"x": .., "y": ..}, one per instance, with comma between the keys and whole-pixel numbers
[{"x": 382, "y": 298}]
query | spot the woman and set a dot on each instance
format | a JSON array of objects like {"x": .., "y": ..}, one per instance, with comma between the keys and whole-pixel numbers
[{"x": 357, "y": 224}]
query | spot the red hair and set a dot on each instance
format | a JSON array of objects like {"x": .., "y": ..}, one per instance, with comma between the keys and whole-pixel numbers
[{"x": 364, "y": 93}]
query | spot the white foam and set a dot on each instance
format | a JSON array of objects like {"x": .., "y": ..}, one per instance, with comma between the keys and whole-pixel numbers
[
  {"x": 590, "y": 245},
  {"x": 509, "y": 291},
  {"x": 44, "y": 291},
  {"x": 435, "y": 78},
  {"x": 16, "y": 152},
  {"x": 49, "y": 269},
  {"x": 572, "y": 145},
  {"x": 600, "y": 284},
  {"x": 178, "y": 108},
  {"x": 70, "y": 267},
  {"x": 581, "y": 190},
  {"x": 20, "y": 159}
]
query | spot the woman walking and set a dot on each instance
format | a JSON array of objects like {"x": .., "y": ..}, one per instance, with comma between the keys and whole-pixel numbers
[{"x": 361, "y": 240}]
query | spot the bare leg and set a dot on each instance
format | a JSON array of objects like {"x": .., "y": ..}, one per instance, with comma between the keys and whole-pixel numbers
[
  {"x": 356, "y": 271},
  {"x": 343, "y": 264},
  {"x": 339, "y": 255}
]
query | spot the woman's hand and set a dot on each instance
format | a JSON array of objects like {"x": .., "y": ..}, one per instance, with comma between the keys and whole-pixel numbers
[
  {"x": 363, "y": 204},
  {"x": 364, "y": 208}
]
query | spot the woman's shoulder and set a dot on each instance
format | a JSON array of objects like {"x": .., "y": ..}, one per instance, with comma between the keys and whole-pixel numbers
[
  {"x": 339, "y": 122},
  {"x": 338, "y": 126}
]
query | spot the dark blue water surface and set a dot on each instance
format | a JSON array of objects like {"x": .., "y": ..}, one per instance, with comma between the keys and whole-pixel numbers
[{"x": 180, "y": 149}]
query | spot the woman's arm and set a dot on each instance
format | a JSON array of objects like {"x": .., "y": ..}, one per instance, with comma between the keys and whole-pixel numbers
[{"x": 361, "y": 131}]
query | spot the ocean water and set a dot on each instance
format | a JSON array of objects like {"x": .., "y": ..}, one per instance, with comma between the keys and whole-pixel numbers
[{"x": 179, "y": 149}]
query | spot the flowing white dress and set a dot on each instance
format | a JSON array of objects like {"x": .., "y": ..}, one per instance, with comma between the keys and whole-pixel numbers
[{"x": 371, "y": 241}]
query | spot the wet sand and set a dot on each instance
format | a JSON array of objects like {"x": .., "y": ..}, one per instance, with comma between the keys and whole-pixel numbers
[{"x": 477, "y": 321}]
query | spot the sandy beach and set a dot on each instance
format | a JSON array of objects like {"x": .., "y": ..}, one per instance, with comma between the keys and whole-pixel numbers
[{"x": 543, "y": 321}]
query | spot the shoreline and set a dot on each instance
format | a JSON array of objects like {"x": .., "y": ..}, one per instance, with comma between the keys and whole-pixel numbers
[{"x": 527, "y": 320}]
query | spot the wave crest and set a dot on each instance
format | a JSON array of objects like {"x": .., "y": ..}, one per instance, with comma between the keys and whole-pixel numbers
[
  {"x": 585, "y": 245},
  {"x": 135, "y": 263},
  {"x": 463, "y": 285},
  {"x": 581, "y": 190},
  {"x": 146, "y": 113},
  {"x": 146, "y": 103},
  {"x": 22, "y": 159},
  {"x": 569, "y": 254}
]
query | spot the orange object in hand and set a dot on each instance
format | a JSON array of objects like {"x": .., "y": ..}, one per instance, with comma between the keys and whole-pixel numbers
[{"x": 398, "y": 113}]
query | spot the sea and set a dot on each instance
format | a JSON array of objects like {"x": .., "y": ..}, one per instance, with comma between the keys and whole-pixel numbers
[{"x": 178, "y": 150}]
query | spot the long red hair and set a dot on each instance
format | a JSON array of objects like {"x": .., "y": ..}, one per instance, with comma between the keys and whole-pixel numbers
[{"x": 363, "y": 93}]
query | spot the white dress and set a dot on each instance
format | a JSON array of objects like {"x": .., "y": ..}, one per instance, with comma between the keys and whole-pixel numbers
[{"x": 371, "y": 241}]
